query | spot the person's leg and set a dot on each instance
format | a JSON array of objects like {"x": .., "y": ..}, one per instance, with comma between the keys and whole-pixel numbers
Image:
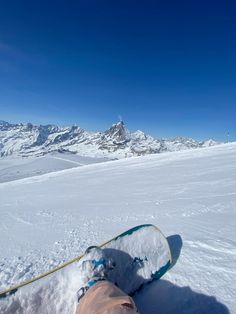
[
  {"x": 97, "y": 295},
  {"x": 105, "y": 298}
]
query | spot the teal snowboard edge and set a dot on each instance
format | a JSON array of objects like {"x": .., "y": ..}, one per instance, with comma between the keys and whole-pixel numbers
[
  {"x": 156, "y": 276},
  {"x": 132, "y": 230}
]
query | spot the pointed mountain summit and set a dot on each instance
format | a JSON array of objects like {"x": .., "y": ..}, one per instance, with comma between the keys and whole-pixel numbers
[{"x": 118, "y": 133}]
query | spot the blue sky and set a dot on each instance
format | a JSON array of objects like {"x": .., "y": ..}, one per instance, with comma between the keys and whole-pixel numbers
[{"x": 166, "y": 67}]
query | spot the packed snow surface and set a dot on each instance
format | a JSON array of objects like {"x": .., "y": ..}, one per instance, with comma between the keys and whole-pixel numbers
[{"x": 190, "y": 195}]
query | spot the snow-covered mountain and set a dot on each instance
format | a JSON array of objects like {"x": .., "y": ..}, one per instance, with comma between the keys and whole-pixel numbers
[{"x": 117, "y": 142}]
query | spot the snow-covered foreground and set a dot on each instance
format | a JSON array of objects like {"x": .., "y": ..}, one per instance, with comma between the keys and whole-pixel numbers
[{"x": 190, "y": 195}]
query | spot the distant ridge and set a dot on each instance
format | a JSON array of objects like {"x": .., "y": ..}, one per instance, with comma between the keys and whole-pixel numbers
[{"x": 116, "y": 142}]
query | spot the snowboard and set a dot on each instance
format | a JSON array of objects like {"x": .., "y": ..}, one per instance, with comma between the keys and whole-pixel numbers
[{"x": 141, "y": 254}]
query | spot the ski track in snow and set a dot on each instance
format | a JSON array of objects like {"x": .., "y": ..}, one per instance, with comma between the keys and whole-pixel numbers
[
  {"x": 51, "y": 218},
  {"x": 70, "y": 161}
]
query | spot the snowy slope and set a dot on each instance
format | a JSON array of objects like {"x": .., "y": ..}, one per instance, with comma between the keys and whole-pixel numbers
[
  {"x": 116, "y": 142},
  {"x": 190, "y": 195},
  {"x": 13, "y": 168}
]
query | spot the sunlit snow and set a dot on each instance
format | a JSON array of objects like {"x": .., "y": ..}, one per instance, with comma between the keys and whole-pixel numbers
[{"x": 190, "y": 195}]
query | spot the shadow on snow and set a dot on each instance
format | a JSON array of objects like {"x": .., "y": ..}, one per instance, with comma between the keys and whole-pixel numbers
[
  {"x": 164, "y": 297},
  {"x": 161, "y": 296}
]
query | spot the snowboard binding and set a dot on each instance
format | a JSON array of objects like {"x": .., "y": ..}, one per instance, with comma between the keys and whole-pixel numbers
[{"x": 94, "y": 267}]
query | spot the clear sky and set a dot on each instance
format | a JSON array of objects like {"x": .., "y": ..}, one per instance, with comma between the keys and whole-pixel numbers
[{"x": 166, "y": 67}]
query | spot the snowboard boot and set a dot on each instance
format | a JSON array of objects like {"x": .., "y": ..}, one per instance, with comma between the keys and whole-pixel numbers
[{"x": 94, "y": 267}]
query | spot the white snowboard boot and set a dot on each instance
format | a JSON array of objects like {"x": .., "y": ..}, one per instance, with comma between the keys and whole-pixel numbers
[{"x": 93, "y": 267}]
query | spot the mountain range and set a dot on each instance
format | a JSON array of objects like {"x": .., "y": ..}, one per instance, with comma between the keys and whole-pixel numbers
[{"x": 117, "y": 142}]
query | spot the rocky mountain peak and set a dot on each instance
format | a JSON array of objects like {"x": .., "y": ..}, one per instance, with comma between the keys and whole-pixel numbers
[{"x": 118, "y": 133}]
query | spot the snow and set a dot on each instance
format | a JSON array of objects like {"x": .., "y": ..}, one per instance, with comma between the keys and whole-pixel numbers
[
  {"x": 12, "y": 168},
  {"x": 190, "y": 195}
]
